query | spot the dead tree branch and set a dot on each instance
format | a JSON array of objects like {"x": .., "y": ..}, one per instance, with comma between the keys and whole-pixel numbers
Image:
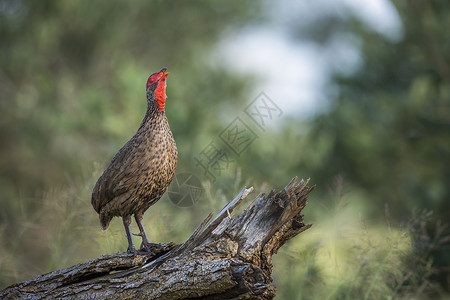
[{"x": 225, "y": 258}]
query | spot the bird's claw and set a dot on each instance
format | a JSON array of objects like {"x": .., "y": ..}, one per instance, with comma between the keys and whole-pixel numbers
[
  {"x": 131, "y": 250},
  {"x": 151, "y": 248},
  {"x": 141, "y": 251}
]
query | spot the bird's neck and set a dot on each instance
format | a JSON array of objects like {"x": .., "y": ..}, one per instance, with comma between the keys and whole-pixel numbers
[
  {"x": 152, "y": 101},
  {"x": 153, "y": 115}
]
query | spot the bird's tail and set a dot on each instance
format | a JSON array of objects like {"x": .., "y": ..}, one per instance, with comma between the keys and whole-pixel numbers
[{"x": 104, "y": 219}]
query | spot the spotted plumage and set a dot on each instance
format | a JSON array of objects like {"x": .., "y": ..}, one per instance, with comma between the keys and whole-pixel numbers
[{"x": 141, "y": 171}]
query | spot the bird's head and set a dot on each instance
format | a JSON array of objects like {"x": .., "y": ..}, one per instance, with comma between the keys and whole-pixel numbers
[{"x": 156, "y": 88}]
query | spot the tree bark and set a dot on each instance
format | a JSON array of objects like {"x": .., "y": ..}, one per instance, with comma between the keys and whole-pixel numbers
[{"x": 225, "y": 258}]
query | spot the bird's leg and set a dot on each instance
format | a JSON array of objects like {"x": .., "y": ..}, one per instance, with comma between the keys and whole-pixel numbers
[
  {"x": 126, "y": 224},
  {"x": 146, "y": 245}
]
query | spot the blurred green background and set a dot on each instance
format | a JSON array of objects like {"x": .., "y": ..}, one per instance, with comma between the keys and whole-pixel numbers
[{"x": 364, "y": 100}]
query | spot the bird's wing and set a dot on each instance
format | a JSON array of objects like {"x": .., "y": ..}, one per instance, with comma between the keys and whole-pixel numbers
[{"x": 123, "y": 175}]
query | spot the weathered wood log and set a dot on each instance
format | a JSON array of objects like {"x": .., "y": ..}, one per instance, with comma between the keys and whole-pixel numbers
[{"x": 225, "y": 258}]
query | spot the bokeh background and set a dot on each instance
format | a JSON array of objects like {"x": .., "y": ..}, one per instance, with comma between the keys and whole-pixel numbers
[{"x": 363, "y": 91}]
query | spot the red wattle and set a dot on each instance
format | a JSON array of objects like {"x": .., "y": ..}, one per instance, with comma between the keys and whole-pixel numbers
[{"x": 160, "y": 94}]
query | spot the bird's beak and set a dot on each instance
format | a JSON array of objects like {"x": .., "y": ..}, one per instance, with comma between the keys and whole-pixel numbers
[{"x": 163, "y": 73}]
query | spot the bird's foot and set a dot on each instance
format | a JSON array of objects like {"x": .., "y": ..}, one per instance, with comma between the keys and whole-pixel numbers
[
  {"x": 141, "y": 251},
  {"x": 131, "y": 250},
  {"x": 152, "y": 247}
]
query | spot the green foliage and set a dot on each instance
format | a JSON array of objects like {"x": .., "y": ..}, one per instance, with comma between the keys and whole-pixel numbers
[
  {"x": 72, "y": 76},
  {"x": 388, "y": 131},
  {"x": 390, "y": 123},
  {"x": 387, "y": 134}
]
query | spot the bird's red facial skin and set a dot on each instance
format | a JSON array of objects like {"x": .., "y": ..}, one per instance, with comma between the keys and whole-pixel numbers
[
  {"x": 160, "y": 93},
  {"x": 152, "y": 79}
]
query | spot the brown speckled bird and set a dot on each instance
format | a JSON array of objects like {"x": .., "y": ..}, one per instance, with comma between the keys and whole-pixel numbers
[{"x": 141, "y": 171}]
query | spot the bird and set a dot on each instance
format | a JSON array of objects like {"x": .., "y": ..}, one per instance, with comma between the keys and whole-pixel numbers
[{"x": 141, "y": 171}]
